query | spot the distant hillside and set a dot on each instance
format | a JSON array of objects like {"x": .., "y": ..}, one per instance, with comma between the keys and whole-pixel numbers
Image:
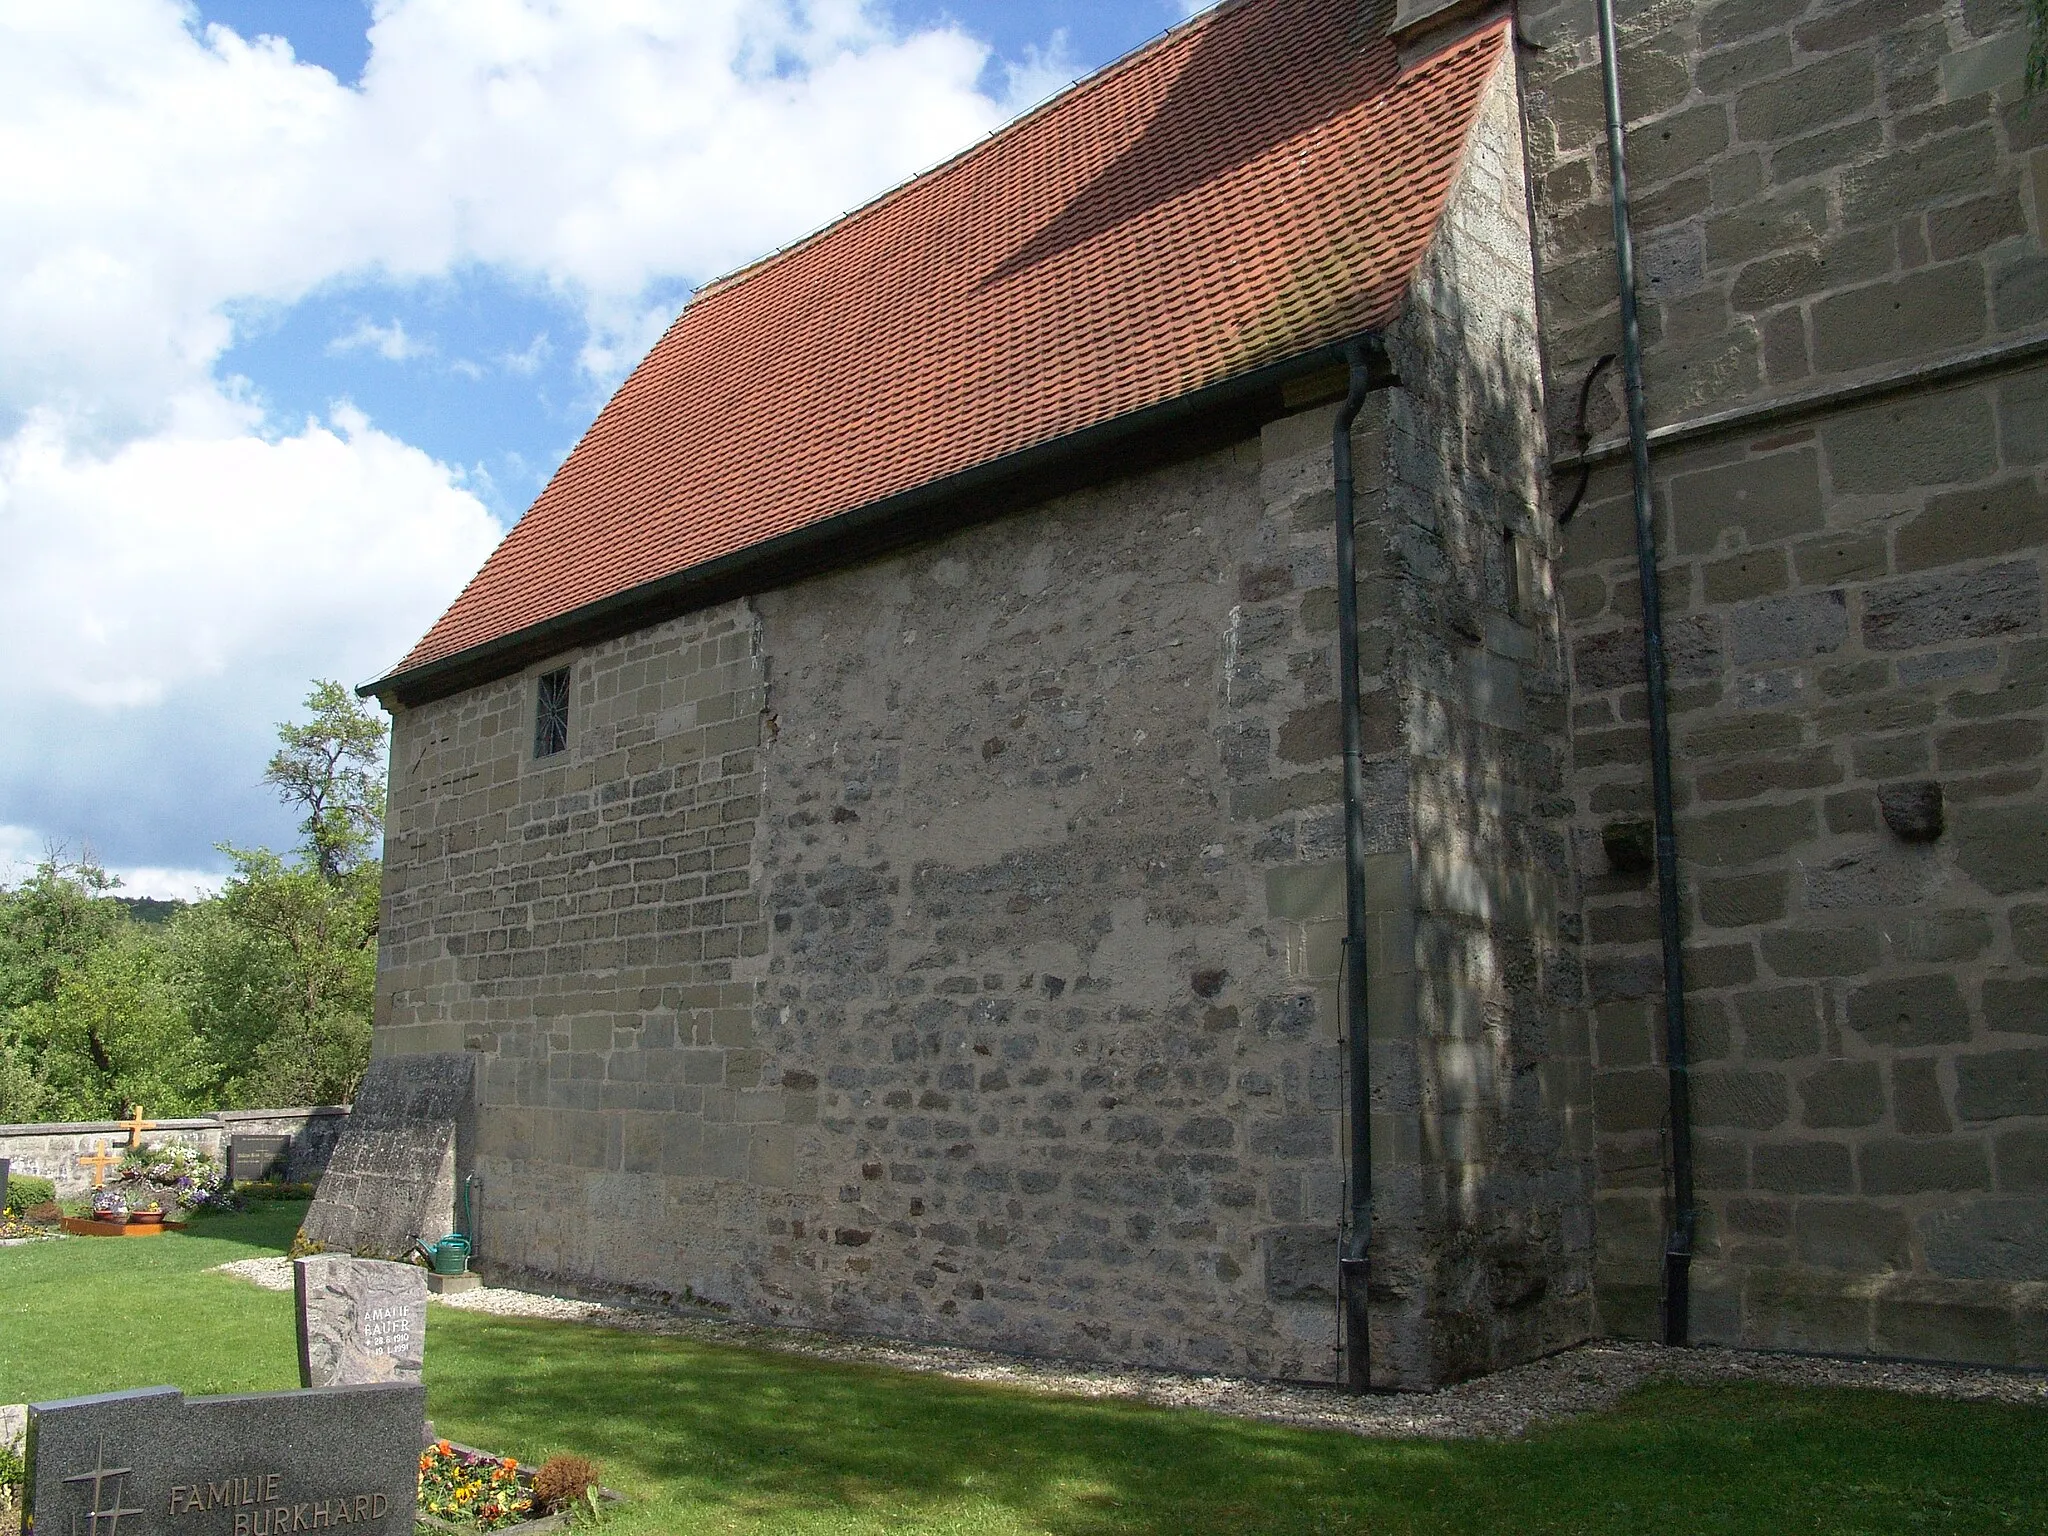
[{"x": 148, "y": 909}]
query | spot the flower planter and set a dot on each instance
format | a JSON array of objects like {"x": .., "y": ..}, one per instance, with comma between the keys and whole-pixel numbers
[{"x": 561, "y": 1520}]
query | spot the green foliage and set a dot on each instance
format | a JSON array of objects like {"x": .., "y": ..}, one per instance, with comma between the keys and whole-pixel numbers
[
  {"x": 705, "y": 1437},
  {"x": 332, "y": 768},
  {"x": 25, "y": 1193},
  {"x": 260, "y": 996}
]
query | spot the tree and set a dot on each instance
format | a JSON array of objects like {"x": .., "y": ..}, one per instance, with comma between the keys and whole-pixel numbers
[
  {"x": 280, "y": 971},
  {"x": 333, "y": 768},
  {"x": 90, "y": 1016}
]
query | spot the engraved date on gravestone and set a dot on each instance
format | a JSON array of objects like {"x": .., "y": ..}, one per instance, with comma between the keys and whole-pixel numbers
[{"x": 155, "y": 1462}]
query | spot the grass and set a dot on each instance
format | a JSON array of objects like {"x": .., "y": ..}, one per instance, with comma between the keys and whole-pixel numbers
[{"x": 717, "y": 1440}]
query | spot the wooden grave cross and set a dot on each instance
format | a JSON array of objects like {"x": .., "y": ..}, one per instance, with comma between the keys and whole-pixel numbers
[
  {"x": 136, "y": 1125},
  {"x": 99, "y": 1162}
]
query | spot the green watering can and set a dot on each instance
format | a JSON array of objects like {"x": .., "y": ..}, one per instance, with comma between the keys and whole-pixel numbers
[{"x": 450, "y": 1256}]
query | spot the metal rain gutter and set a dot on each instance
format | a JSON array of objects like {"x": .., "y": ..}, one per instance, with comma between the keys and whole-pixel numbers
[{"x": 1678, "y": 1245}]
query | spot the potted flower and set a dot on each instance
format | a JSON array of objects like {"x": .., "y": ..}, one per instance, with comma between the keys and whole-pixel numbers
[
  {"x": 145, "y": 1213},
  {"x": 110, "y": 1205}
]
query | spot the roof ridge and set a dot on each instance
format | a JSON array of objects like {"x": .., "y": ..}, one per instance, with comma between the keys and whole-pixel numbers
[{"x": 1124, "y": 61}]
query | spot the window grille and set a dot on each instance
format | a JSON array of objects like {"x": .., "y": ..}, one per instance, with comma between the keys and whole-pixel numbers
[{"x": 551, "y": 714}]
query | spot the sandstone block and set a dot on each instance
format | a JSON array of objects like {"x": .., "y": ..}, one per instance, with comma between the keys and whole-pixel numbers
[
  {"x": 1938, "y": 609},
  {"x": 1802, "y": 1167},
  {"x": 1921, "y": 312},
  {"x": 2016, "y": 1005},
  {"x": 2004, "y": 848},
  {"x": 1762, "y": 499},
  {"x": 1788, "y": 628},
  {"x": 1748, "y": 1099},
  {"x": 1998, "y": 1085},
  {"x": 1853, "y": 1236},
  {"x": 1746, "y": 835},
  {"x": 1842, "y": 1094},
  {"x": 1914, "y": 1010},
  {"x": 1920, "y": 1167},
  {"x": 1757, "y": 573},
  {"x": 1821, "y": 93},
  {"x": 1780, "y": 1024},
  {"x": 1800, "y": 952},
  {"x": 1934, "y": 439},
  {"x": 2029, "y": 933},
  {"x": 1841, "y": 557},
  {"x": 2002, "y": 1238},
  {"x": 1761, "y": 226},
  {"x": 1742, "y": 900},
  {"x": 2022, "y": 1156},
  {"x": 1970, "y": 525},
  {"x": 1919, "y": 1107}
]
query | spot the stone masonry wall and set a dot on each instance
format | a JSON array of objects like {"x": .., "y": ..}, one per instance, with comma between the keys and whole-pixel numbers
[
  {"x": 948, "y": 947},
  {"x": 1486, "y": 1172},
  {"x": 1824, "y": 193}
]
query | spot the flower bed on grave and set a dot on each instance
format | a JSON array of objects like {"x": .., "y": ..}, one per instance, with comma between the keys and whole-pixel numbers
[
  {"x": 171, "y": 1177},
  {"x": 464, "y": 1489}
]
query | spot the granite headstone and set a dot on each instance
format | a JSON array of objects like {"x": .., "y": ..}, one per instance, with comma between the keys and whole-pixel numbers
[
  {"x": 4, "y": 1162},
  {"x": 157, "y": 1463},
  {"x": 360, "y": 1320}
]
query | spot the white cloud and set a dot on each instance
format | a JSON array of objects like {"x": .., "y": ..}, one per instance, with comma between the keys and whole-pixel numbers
[
  {"x": 165, "y": 544},
  {"x": 168, "y": 884},
  {"x": 389, "y": 342},
  {"x": 527, "y": 363},
  {"x": 192, "y": 554},
  {"x": 154, "y": 175}
]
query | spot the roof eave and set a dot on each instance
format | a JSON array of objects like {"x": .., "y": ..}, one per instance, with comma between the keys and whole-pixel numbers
[{"x": 979, "y": 494}]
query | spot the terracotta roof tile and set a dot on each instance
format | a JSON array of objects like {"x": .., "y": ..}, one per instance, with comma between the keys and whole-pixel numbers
[{"x": 1252, "y": 186}]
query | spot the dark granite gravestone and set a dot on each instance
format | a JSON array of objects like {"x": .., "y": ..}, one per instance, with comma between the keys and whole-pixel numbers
[
  {"x": 156, "y": 1463},
  {"x": 360, "y": 1320},
  {"x": 4, "y": 1162},
  {"x": 394, "y": 1172},
  {"x": 258, "y": 1157}
]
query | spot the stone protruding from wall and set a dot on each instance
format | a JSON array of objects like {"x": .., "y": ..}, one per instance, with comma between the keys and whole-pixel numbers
[{"x": 393, "y": 1177}]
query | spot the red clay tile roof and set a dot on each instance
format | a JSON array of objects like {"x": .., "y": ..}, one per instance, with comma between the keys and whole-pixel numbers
[{"x": 1252, "y": 186}]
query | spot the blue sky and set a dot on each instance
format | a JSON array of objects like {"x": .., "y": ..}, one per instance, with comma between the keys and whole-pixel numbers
[
  {"x": 302, "y": 301},
  {"x": 486, "y": 374}
]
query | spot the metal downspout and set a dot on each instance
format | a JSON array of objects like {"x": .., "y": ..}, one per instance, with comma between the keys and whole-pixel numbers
[
  {"x": 1353, "y": 1263},
  {"x": 1678, "y": 1244}
]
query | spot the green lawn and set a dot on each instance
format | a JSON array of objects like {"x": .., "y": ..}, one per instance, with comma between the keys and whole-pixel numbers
[{"x": 706, "y": 1439}]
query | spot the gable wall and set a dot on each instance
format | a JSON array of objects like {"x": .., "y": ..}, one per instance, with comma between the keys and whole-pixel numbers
[
  {"x": 1824, "y": 193},
  {"x": 932, "y": 949}
]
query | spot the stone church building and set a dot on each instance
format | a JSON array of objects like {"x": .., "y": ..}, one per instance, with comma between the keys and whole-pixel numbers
[{"x": 871, "y": 844}]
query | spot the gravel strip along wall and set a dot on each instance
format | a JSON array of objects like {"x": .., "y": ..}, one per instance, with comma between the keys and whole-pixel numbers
[{"x": 1504, "y": 1405}]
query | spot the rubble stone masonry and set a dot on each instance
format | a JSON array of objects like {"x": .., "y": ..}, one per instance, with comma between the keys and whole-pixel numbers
[
  {"x": 1825, "y": 196},
  {"x": 948, "y": 946}
]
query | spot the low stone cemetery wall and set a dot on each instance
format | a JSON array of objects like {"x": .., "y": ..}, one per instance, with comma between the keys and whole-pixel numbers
[{"x": 289, "y": 1144}]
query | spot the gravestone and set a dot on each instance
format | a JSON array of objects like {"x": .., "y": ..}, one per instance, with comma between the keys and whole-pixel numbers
[
  {"x": 394, "y": 1171},
  {"x": 4, "y": 1164},
  {"x": 157, "y": 1463},
  {"x": 253, "y": 1158},
  {"x": 360, "y": 1320}
]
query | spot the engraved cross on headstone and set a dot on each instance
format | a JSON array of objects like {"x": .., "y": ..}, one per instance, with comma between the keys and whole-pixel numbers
[
  {"x": 99, "y": 1476},
  {"x": 99, "y": 1162}
]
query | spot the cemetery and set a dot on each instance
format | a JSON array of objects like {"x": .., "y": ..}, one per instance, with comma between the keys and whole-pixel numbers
[{"x": 158, "y": 1393}]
